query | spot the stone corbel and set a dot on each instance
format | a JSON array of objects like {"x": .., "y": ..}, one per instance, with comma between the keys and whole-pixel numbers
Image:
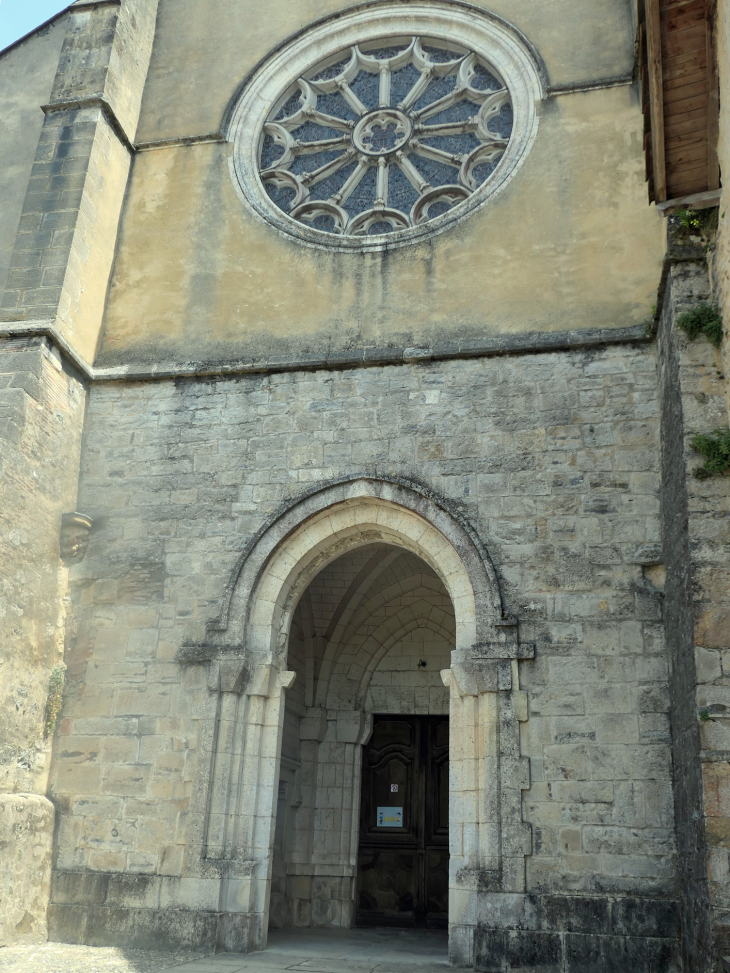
[{"x": 75, "y": 530}]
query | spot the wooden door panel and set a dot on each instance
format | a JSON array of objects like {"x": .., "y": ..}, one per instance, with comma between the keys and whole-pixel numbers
[{"x": 403, "y": 872}]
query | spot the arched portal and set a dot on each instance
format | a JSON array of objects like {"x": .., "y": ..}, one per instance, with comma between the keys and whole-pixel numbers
[
  {"x": 248, "y": 646},
  {"x": 369, "y": 640}
]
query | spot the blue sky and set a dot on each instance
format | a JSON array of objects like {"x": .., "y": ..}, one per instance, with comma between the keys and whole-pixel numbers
[{"x": 19, "y": 17}]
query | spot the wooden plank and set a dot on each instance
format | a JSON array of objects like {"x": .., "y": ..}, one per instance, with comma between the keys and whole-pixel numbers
[
  {"x": 687, "y": 177},
  {"x": 685, "y": 156},
  {"x": 692, "y": 126},
  {"x": 688, "y": 190},
  {"x": 684, "y": 65},
  {"x": 677, "y": 84},
  {"x": 685, "y": 91},
  {"x": 684, "y": 41},
  {"x": 695, "y": 200},
  {"x": 713, "y": 99},
  {"x": 679, "y": 118},
  {"x": 686, "y": 181},
  {"x": 687, "y": 104},
  {"x": 681, "y": 18},
  {"x": 671, "y": 4},
  {"x": 685, "y": 141},
  {"x": 656, "y": 98}
]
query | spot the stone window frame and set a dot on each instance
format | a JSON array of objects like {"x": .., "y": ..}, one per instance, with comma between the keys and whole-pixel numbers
[
  {"x": 246, "y": 651},
  {"x": 469, "y": 27}
]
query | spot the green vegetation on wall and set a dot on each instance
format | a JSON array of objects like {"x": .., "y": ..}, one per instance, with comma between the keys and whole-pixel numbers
[
  {"x": 54, "y": 701},
  {"x": 716, "y": 450},
  {"x": 702, "y": 320}
]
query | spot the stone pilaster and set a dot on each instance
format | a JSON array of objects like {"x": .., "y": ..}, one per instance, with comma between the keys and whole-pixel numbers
[
  {"x": 697, "y": 617},
  {"x": 56, "y": 287},
  {"x": 65, "y": 243},
  {"x": 41, "y": 417}
]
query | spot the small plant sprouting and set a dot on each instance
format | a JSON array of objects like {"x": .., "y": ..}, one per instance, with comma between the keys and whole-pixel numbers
[
  {"x": 698, "y": 223},
  {"x": 689, "y": 219},
  {"x": 54, "y": 701},
  {"x": 716, "y": 450},
  {"x": 704, "y": 319},
  {"x": 704, "y": 715}
]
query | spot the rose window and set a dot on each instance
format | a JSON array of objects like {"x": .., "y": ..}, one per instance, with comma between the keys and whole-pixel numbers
[{"x": 384, "y": 136}]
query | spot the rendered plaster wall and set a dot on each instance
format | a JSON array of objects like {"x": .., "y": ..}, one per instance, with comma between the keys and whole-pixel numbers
[
  {"x": 573, "y": 222},
  {"x": 204, "y": 51},
  {"x": 696, "y": 552},
  {"x": 41, "y": 419},
  {"x": 555, "y": 460},
  {"x": 27, "y": 71}
]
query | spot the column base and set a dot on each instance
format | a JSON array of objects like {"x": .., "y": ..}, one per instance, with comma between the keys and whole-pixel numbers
[{"x": 26, "y": 847}]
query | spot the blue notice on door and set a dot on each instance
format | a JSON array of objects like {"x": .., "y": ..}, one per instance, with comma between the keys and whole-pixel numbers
[{"x": 390, "y": 817}]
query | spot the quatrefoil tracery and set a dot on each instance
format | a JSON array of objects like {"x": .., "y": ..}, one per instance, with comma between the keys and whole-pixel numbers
[{"x": 411, "y": 129}]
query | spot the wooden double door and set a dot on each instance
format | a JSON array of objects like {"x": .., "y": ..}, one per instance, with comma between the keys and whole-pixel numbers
[{"x": 403, "y": 860}]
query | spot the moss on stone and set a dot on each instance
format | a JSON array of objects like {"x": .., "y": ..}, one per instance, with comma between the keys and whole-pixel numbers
[
  {"x": 716, "y": 450},
  {"x": 703, "y": 320}
]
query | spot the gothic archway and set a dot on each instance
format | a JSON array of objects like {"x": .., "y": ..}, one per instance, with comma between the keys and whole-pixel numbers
[{"x": 247, "y": 651}]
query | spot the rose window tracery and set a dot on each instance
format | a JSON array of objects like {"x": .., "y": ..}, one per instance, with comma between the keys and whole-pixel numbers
[{"x": 385, "y": 136}]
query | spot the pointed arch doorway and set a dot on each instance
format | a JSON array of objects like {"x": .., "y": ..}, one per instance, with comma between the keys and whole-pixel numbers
[
  {"x": 248, "y": 646},
  {"x": 362, "y": 828}
]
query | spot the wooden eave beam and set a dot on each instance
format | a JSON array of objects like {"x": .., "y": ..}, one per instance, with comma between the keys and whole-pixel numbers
[
  {"x": 656, "y": 98},
  {"x": 713, "y": 100}
]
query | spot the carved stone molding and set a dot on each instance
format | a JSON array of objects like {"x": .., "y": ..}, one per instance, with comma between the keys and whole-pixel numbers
[
  {"x": 385, "y": 124},
  {"x": 391, "y": 136},
  {"x": 75, "y": 530}
]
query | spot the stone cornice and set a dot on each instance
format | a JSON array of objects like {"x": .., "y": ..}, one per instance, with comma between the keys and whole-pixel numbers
[{"x": 532, "y": 342}]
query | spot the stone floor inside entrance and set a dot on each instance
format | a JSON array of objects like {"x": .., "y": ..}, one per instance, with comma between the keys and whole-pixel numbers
[
  {"x": 335, "y": 951},
  {"x": 301, "y": 951}
]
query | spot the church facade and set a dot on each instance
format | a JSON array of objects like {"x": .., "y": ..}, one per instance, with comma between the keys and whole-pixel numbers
[{"x": 354, "y": 568}]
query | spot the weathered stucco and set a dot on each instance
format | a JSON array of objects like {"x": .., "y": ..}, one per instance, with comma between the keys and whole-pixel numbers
[
  {"x": 211, "y": 281},
  {"x": 204, "y": 52}
]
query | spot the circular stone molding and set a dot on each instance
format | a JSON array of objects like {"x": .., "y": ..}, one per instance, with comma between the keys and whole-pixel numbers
[{"x": 386, "y": 124}]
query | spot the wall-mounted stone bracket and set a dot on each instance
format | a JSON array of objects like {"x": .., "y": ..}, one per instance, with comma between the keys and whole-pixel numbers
[{"x": 75, "y": 530}]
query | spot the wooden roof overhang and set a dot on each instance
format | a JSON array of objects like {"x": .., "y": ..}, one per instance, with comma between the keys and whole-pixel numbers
[{"x": 680, "y": 100}]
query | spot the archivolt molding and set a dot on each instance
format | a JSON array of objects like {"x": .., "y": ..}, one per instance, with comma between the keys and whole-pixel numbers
[
  {"x": 300, "y": 540},
  {"x": 252, "y": 633},
  {"x": 467, "y": 29}
]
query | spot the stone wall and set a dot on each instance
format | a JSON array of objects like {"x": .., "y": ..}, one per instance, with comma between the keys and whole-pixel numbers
[
  {"x": 41, "y": 419},
  {"x": 27, "y": 71},
  {"x": 553, "y": 457},
  {"x": 64, "y": 248},
  {"x": 696, "y": 548}
]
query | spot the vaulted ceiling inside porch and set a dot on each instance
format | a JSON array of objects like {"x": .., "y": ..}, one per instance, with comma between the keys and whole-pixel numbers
[{"x": 374, "y": 629}]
